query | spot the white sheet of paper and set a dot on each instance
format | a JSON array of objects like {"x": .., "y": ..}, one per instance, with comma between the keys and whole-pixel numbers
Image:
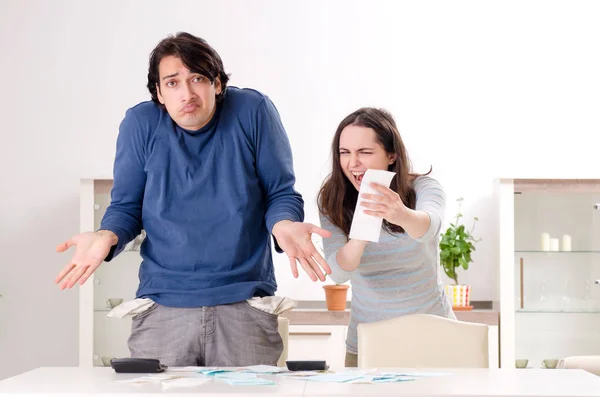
[
  {"x": 263, "y": 369},
  {"x": 149, "y": 378},
  {"x": 186, "y": 369},
  {"x": 183, "y": 382},
  {"x": 367, "y": 227}
]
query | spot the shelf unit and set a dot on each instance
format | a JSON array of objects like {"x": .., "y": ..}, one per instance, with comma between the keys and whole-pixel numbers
[
  {"x": 549, "y": 300},
  {"x": 100, "y": 336}
]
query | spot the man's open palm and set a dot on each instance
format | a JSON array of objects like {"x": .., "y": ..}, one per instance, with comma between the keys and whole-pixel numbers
[
  {"x": 294, "y": 238},
  {"x": 91, "y": 249}
]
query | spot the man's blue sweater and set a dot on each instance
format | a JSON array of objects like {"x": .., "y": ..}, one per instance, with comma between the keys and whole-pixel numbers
[{"x": 207, "y": 199}]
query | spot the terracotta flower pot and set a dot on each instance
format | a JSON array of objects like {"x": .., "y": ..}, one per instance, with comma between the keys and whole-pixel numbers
[{"x": 335, "y": 296}]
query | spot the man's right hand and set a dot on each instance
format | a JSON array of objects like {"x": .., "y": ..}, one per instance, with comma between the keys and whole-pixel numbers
[{"x": 91, "y": 249}]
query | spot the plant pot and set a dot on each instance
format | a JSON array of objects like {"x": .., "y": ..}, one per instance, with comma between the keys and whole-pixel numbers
[
  {"x": 460, "y": 296},
  {"x": 335, "y": 296}
]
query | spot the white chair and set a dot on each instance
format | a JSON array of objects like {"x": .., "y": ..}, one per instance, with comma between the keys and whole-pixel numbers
[
  {"x": 423, "y": 340},
  {"x": 283, "y": 328},
  {"x": 587, "y": 363}
]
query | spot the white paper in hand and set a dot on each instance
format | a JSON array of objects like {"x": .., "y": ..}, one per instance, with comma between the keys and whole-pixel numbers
[{"x": 368, "y": 227}]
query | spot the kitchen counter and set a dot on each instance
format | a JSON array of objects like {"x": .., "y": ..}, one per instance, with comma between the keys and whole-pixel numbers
[{"x": 320, "y": 316}]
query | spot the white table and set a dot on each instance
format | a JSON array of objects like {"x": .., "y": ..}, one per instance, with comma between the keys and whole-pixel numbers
[
  {"x": 475, "y": 383},
  {"x": 462, "y": 382}
]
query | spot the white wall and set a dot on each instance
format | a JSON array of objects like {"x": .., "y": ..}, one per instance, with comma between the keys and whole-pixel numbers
[{"x": 479, "y": 90}]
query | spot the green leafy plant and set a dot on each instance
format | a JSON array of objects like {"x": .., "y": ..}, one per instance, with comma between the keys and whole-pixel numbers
[{"x": 456, "y": 246}]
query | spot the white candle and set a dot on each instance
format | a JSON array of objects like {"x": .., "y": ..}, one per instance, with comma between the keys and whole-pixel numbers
[
  {"x": 545, "y": 242},
  {"x": 566, "y": 243},
  {"x": 553, "y": 244}
]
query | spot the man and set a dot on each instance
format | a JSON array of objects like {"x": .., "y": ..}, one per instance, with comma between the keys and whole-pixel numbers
[{"x": 206, "y": 170}]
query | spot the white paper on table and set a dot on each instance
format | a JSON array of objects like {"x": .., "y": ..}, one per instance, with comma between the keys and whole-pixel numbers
[
  {"x": 183, "y": 382},
  {"x": 235, "y": 375},
  {"x": 368, "y": 227},
  {"x": 341, "y": 378},
  {"x": 249, "y": 382},
  {"x": 186, "y": 369},
  {"x": 149, "y": 378},
  {"x": 301, "y": 374},
  {"x": 263, "y": 369}
]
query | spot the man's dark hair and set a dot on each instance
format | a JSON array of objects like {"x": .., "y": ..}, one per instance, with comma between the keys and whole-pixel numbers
[{"x": 195, "y": 54}]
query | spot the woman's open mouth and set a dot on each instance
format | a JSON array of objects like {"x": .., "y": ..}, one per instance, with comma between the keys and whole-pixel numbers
[{"x": 358, "y": 176}]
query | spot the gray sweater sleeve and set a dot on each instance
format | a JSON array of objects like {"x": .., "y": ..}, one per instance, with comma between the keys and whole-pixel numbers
[
  {"x": 331, "y": 246},
  {"x": 432, "y": 200}
]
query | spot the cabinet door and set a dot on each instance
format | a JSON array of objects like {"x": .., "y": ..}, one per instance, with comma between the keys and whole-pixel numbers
[
  {"x": 493, "y": 346},
  {"x": 100, "y": 337},
  {"x": 557, "y": 260},
  {"x": 318, "y": 342},
  {"x": 110, "y": 338},
  {"x": 549, "y": 262}
]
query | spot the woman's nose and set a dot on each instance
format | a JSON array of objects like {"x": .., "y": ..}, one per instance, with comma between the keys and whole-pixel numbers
[{"x": 354, "y": 161}]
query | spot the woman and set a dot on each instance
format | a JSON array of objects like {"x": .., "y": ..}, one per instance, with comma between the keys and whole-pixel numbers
[{"x": 400, "y": 274}]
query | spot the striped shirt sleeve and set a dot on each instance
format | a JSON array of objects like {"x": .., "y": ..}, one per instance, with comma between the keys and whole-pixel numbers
[
  {"x": 431, "y": 199},
  {"x": 331, "y": 246}
]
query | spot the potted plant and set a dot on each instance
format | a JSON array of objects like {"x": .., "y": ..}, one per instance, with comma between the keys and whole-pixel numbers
[
  {"x": 456, "y": 246},
  {"x": 335, "y": 296}
]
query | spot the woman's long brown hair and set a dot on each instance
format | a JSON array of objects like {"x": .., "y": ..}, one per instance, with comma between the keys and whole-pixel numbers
[{"x": 337, "y": 197}]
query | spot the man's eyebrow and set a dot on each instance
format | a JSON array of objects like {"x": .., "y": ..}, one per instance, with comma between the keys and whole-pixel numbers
[{"x": 170, "y": 75}]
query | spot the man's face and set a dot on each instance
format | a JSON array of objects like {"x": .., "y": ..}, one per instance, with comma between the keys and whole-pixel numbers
[{"x": 190, "y": 98}]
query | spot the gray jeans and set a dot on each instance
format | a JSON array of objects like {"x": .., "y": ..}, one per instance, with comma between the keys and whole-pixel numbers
[
  {"x": 351, "y": 360},
  {"x": 230, "y": 335}
]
